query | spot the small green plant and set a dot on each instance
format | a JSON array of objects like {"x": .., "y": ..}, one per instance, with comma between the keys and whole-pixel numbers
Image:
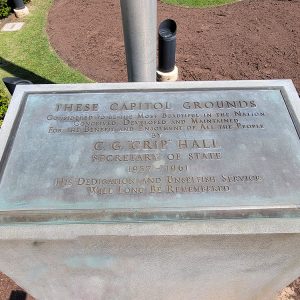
[
  {"x": 4, "y": 101},
  {"x": 4, "y": 9}
]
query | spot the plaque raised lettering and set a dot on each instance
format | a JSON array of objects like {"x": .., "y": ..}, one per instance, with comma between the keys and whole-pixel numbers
[{"x": 138, "y": 152}]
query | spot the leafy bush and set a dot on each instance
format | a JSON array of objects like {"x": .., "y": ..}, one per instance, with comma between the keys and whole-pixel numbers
[
  {"x": 4, "y": 9},
  {"x": 4, "y": 100}
]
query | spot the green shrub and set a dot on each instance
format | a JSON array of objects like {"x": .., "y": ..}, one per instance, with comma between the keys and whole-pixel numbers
[
  {"x": 4, "y": 100},
  {"x": 4, "y": 9}
]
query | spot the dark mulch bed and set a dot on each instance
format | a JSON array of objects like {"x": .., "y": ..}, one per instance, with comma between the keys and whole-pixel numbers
[{"x": 250, "y": 39}]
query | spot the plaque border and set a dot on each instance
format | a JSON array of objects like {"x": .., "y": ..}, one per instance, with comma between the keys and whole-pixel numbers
[{"x": 17, "y": 104}]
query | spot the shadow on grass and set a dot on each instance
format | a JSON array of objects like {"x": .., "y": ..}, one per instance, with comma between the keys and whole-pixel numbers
[{"x": 18, "y": 71}]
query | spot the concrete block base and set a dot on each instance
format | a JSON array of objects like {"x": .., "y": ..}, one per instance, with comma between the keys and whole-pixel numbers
[
  {"x": 169, "y": 76},
  {"x": 20, "y": 13},
  {"x": 151, "y": 261}
]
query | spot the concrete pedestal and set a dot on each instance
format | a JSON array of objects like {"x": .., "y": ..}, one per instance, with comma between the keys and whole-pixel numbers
[
  {"x": 247, "y": 259},
  {"x": 223, "y": 224}
]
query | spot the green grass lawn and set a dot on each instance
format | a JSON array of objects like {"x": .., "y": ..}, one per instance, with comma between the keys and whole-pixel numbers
[
  {"x": 27, "y": 53},
  {"x": 198, "y": 3}
]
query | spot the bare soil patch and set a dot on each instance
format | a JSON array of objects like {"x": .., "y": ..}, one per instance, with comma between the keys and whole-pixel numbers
[{"x": 250, "y": 39}]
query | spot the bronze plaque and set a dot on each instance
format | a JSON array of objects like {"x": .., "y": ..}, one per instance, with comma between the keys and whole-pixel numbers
[{"x": 152, "y": 154}]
